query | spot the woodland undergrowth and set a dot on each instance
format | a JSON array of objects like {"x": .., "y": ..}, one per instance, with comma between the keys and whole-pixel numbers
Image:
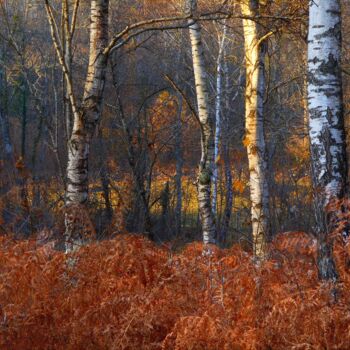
[{"x": 128, "y": 293}]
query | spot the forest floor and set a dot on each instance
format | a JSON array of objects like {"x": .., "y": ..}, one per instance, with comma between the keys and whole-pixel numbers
[{"x": 128, "y": 293}]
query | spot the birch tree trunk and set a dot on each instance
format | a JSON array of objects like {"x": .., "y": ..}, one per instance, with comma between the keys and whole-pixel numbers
[
  {"x": 218, "y": 112},
  {"x": 326, "y": 121},
  {"x": 207, "y": 129},
  {"x": 254, "y": 123},
  {"x": 67, "y": 52},
  {"x": 86, "y": 118}
]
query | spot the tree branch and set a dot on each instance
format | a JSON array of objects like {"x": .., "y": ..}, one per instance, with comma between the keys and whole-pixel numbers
[
  {"x": 189, "y": 104},
  {"x": 74, "y": 18},
  {"x": 59, "y": 52}
]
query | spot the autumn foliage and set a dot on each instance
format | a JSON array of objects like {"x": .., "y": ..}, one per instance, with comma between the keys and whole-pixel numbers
[{"x": 128, "y": 293}]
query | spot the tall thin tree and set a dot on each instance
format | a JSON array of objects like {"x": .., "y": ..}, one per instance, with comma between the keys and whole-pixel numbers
[
  {"x": 255, "y": 49},
  {"x": 207, "y": 128},
  {"x": 87, "y": 115},
  {"x": 326, "y": 121},
  {"x": 218, "y": 112}
]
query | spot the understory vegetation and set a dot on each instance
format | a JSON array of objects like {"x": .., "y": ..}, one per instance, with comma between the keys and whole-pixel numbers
[
  {"x": 174, "y": 175},
  {"x": 128, "y": 293}
]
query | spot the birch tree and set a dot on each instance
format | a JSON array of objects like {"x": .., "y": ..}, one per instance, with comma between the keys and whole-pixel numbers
[
  {"x": 326, "y": 121},
  {"x": 218, "y": 112},
  {"x": 227, "y": 122},
  {"x": 85, "y": 116},
  {"x": 68, "y": 28},
  {"x": 207, "y": 128},
  {"x": 254, "y": 124}
]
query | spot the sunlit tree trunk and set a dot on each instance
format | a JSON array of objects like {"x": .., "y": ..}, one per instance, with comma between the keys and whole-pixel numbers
[
  {"x": 254, "y": 121},
  {"x": 326, "y": 121},
  {"x": 207, "y": 129}
]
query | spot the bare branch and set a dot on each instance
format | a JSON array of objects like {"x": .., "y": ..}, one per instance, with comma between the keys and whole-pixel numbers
[
  {"x": 74, "y": 18},
  {"x": 151, "y": 25},
  {"x": 183, "y": 95},
  {"x": 63, "y": 63}
]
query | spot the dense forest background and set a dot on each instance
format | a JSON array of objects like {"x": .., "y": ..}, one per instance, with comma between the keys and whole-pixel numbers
[
  {"x": 140, "y": 277},
  {"x": 162, "y": 132}
]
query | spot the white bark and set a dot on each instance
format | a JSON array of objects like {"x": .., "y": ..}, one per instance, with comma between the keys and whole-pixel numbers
[
  {"x": 86, "y": 118},
  {"x": 226, "y": 155},
  {"x": 67, "y": 52},
  {"x": 254, "y": 121},
  {"x": 207, "y": 129},
  {"x": 326, "y": 121},
  {"x": 218, "y": 112}
]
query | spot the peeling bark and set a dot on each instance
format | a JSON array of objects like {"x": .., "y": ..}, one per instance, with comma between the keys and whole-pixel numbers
[
  {"x": 326, "y": 121},
  {"x": 86, "y": 118}
]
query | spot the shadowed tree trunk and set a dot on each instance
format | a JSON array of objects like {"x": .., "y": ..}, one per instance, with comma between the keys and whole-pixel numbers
[
  {"x": 218, "y": 114},
  {"x": 228, "y": 197},
  {"x": 179, "y": 166},
  {"x": 85, "y": 120},
  {"x": 4, "y": 121},
  {"x": 8, "y": 156},
  {"x": 68, "y": 27},
  {"x": 207, "y": 129},
  {"x": 226, "y": 139},
  {"x": 86, "y": 116},
  {"x": 6, "y": 139},
  {"x": 326, "y": 122}
]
